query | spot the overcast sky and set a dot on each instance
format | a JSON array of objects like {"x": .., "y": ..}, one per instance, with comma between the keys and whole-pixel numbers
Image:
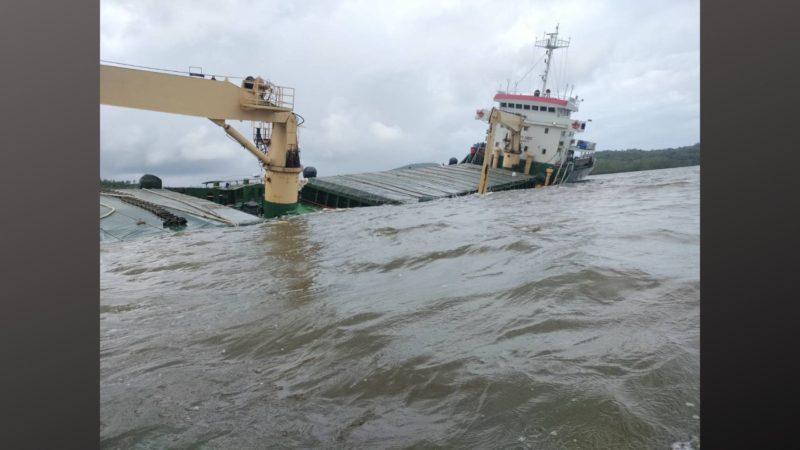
[{"x": 382, "y": 84}]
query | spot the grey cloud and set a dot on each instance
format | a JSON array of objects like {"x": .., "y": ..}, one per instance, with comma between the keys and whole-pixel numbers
[{"x": 383, "y": 84}]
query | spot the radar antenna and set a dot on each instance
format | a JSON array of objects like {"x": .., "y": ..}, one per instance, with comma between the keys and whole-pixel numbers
[{"x": 550, "y": 42}]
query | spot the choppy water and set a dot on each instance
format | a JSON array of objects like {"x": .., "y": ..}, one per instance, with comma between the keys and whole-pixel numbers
[{"x": 557, "y": 318}]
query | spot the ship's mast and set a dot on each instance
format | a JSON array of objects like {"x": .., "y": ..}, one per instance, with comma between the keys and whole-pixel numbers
[{"x": 551, "y": 42}]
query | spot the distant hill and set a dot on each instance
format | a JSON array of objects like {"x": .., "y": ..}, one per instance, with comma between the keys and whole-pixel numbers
[{"x": 613, "y": 161}]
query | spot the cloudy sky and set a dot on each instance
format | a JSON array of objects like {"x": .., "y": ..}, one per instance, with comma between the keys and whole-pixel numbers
[{"x": 382, "y": 84}]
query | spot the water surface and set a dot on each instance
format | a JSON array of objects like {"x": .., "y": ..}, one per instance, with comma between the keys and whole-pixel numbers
[{"x": 556, "y": 318}]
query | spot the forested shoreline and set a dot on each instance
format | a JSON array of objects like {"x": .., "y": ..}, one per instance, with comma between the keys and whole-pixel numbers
[{"x": 632, "y": 160}]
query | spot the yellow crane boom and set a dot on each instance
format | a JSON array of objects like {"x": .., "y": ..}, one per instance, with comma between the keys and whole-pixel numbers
[{"x": 220, "y": 100}]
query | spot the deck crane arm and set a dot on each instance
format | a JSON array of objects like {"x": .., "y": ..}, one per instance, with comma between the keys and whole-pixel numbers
[
  {"x": 512, "y": 122},
  {"x": 219, "y": 100}
]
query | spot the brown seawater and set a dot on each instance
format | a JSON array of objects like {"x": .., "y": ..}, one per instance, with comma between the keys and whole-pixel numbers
[{"x": 557, "y": 318}]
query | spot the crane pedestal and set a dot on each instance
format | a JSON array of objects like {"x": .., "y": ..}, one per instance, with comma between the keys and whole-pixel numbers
[{"x": 281, "y": 186}]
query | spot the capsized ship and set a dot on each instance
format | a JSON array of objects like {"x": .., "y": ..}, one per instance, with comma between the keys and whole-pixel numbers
[
  {"x": 538, "y": 134},
  {"x": 531, "y": 142}
]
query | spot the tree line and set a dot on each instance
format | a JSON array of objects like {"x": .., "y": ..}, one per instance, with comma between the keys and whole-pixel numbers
[{"x": 632, "y": 160}]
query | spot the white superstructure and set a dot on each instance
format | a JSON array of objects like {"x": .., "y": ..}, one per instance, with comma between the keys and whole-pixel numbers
[{"x": 549, "y": 133}]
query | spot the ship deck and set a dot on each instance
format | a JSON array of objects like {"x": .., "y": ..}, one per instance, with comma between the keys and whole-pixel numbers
[
  {"x": 123, "y": 221},
  {"x": 407, "y": 185}
]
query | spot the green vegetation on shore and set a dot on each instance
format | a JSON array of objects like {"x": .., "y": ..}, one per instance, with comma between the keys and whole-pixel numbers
[{"x": 613, "y": 161}]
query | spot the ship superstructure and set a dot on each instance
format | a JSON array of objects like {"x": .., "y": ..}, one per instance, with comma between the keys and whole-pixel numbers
[{"x": 548, "y": 138}]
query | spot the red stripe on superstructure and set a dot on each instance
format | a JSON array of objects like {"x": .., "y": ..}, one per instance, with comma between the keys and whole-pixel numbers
[{"x": 530, "y": 98}]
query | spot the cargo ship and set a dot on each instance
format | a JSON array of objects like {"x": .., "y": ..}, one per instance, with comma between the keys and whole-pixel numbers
[
  {"x": 531, "y": 142},
  {"x": 543, "y": 150},
  {"x": 548, "y": 138}
]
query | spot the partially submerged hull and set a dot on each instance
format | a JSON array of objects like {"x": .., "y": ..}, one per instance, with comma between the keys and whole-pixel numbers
[
  {"x": 409, "y": 184},
  {"x": 580, "y": 172},
  {"x": 406, "y": 185},
  {"x": 128, "y": 214},
  {"x": 568, "y": 172}
]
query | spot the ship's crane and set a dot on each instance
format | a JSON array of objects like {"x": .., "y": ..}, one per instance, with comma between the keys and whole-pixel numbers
[
  {"x": 514, "y": 124},
  {"x": 220, "y": 100}
]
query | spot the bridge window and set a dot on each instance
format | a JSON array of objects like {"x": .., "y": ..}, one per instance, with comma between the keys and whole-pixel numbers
[
  {"x": 546, "y": 130},
  {"x": 519, "y": 106},
  {"x": 534, "y": 107},
  {"x": 502, "y": 104},
  {"x": 526, "y": 106},
  {"x": 551, "y": 109}
]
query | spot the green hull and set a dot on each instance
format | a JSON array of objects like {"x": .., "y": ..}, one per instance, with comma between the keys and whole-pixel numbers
[
  {"x": 229, "y": 196},
  {"x": 272, "y": 210},
  {"x": 403, "y": 185}
]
